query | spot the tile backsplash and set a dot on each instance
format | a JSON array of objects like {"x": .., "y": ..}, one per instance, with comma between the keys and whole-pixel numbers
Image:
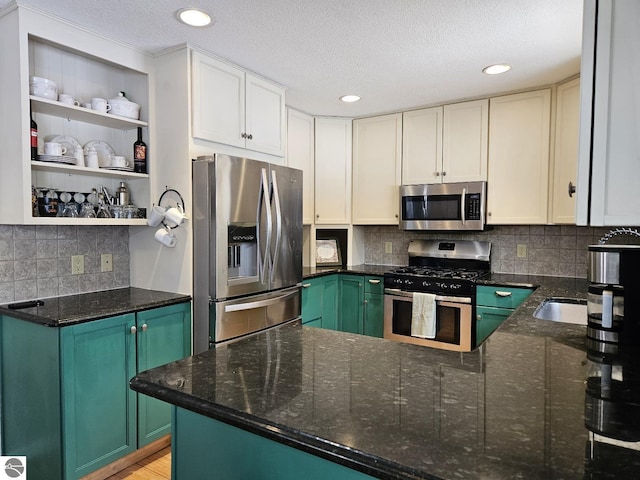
[
  {"x": 553, "y": 250},
  {"x": 35, "y": 261}
]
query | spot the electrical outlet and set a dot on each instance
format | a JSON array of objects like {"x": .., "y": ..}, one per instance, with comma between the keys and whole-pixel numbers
[
  {"x": 106, "y": 262},
  {"x": 388, "y": 247},
  {"x": 521, "y": 251},
  {"x": 77, "y": 264}
]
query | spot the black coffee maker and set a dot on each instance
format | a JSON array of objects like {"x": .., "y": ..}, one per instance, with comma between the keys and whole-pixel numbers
[{"x": 613, "y": 300}]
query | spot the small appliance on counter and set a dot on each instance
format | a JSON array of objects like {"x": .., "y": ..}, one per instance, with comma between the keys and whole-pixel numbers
[{"x": 613, "y": 300}]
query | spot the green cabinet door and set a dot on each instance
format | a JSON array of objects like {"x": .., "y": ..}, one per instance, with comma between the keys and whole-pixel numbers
[
  {"x": 312, "y": 299},
  {"x": 351, "y": 303},
  {"x": 163, "y": 336},
  {"x": 99, "y": 416},
  {"x": 373, "y": 314},
  {"x": 330, "y": 298},
  {"x": 488, "y": 319},
  {"x": 373, "y": 306}
]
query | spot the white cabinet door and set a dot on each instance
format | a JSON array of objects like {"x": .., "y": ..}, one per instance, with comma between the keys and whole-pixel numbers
[
  {"x": 218, "y": 101},
  {"x": 300, "y": 147},
  {"x": 377, "y": 150},
  {"x": 333, "y": 171},
  {"x": 517, "y": 188},
  {"x": 565, "y": 159},
  {"x": 264, "y": 116},
  {"x": 615, "y": 150},
  {"x": 422, "y": 146},
  {"x": 236, "y": 108},
  {"x": 464, "y": 145}
]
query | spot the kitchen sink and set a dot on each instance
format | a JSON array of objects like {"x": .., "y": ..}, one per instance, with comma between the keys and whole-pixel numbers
[{"x": 564, "y": 310}]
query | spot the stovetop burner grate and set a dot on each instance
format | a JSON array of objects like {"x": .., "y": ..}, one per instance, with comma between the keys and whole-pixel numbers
[{"x": 437, "y": 272}]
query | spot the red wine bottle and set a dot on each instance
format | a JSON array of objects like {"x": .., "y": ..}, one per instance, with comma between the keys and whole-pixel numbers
[
  {"x": 139, "y": 154},
  {"x": 34, "y": 139}
]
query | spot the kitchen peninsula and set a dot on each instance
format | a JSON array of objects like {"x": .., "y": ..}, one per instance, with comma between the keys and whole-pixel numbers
[{"x": 338, "y": 405}]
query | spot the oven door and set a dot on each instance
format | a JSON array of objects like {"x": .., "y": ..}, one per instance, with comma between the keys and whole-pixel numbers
[{"x": 453, "y": 321}]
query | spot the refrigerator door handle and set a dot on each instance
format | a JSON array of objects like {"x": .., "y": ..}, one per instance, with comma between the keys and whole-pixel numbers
[
  {"x": 263, "y": 259},
  {"x": 276, "y": 200},
  {"x": 257, "y": 304}
]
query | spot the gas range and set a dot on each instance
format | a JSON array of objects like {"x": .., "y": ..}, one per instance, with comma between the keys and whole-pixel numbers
[{"x": 442, "y": 267}]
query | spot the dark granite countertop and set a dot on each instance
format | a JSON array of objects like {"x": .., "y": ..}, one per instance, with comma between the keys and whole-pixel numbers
[
  {"x": 513, "y": 408},
  {"x": 85, "y": 307},
  {"x": 363, "y": 269}
]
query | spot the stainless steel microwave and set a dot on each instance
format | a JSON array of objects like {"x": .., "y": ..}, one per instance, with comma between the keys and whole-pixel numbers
[{"x": 445, "y": 206}]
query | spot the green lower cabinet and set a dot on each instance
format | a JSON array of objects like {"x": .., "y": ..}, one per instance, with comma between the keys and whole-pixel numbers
[
  {"x": 203, "y": 448},
  {"x": 330, "y": 297},
  {"x": 351, "y": 303},
  {"x": 488, "y": 319},
  {"x": 99, "y": 409},
  {"x": 164, "y": 336},
  {"x": 345, "y": 302},
  {"x": 70, "y": 388},
  {"x": 373, "y": 314},
  {"x": 494, "y": 304},
  {"x": 320, "y": 302}
]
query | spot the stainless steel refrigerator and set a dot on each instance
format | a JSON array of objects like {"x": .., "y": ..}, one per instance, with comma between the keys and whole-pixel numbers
[{"x": 247, "y": 255}]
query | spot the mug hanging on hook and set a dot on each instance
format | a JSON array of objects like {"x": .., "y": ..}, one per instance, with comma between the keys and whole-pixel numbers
[{"x": 172, "y": 215}]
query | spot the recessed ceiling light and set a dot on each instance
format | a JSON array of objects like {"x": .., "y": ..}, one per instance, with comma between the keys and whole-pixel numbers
[
  {"x": 350, "y": 98},
  {"x": 194, "y": 17},
  {"x": 496, "y": 69}
]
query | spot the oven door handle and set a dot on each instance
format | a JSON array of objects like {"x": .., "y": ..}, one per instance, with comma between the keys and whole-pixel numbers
[{"x": 439, "y": 298}]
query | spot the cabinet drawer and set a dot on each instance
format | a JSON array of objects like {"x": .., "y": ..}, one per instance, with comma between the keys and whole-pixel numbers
[
  {"x": 373, "y": 284},
  {"x": 503, "y": 297}
]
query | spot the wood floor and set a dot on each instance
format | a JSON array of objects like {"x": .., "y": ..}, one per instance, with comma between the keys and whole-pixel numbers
[{"x": 155, "y": 467}]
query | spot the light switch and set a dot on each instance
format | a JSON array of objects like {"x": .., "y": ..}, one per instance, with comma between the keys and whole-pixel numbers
[
  {"x": 388, "y": 247},
  {"x": 521, "y": 251}
]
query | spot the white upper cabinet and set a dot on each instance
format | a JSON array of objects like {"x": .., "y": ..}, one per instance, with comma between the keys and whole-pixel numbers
[
  {"x": 565, "y": 158},
  {"x": 609, "y": 168},
  {"x": 422, "y": 146},
  {"x": 84, "y": 66},
  {"x": 517, "y": 188},
  {"x": 377, "y": 150},
  {"x": 445, "y": 144},
  {"x": 333, "y": 171},
  {"x": 464, "y": 145},
  {"x": 300, "y": 154},
  {"x": 236, "y": 108}
]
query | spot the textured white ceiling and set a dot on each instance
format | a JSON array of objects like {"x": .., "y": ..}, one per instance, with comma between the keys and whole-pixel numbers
[{"x": 396, "y": 54}]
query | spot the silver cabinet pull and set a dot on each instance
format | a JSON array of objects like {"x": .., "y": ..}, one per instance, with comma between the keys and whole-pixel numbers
[
  {"x": 144, "y": 327},
  {"x": 572, "y": 189},
  {"x": 502, "y": 294},
  {"x": 373, "y": 281},
  {"x": 306, "y": 285},
  {"x": 134, "y": 330}
]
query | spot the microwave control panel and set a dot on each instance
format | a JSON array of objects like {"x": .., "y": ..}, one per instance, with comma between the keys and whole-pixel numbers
[{"x": 472, "y": 207}]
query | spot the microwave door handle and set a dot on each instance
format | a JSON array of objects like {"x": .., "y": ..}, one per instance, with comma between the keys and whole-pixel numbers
[
  {"x": 263, "y": 200},
  {"x": 276, "y": 201},
  {"x": 462, "y": 205}
]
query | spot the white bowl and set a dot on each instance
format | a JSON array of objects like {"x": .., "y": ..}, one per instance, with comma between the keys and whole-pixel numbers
[
  {"x": 43, "y": 87},
  {"x": 123, "y": 107}
]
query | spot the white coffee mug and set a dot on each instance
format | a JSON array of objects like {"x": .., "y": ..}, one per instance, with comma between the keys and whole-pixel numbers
[
  {"x": 100, "y": 105},
  {"x": 119, "y": 161},
  {"x": 165, "y": 237},
  {"x": 67, "y": 99},
  {"x": 174, "y": 217},
  {"x": 156, "y": 216},
  {"x": 53, "y": 148}
]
